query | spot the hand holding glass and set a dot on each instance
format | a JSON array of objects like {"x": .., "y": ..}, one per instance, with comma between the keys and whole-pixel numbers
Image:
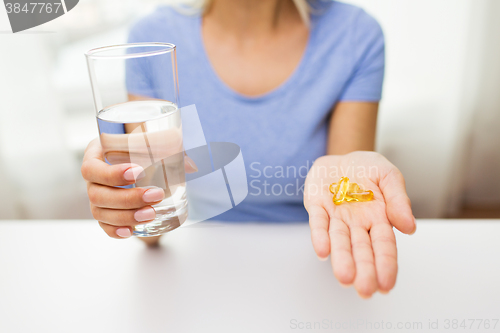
[{"x": 140, "y": 124}]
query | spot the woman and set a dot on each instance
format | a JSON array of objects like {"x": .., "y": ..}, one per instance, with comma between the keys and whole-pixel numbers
[{"x": 289, "y": 82}]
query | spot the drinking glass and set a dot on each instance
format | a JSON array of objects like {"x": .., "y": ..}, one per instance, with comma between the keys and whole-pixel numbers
[{"x": 136, "y": 97}]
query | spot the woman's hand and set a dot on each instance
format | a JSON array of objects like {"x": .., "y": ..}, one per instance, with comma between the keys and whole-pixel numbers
[
  {"x": 119, "y": 209},
  {"x": 359, "y": 235}
]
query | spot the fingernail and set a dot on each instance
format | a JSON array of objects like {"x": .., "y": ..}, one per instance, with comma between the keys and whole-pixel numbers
[
  {"x": 153, "y": 195},
  {"x": 145, "y": 214},
  {"x": 123, "y": 232},
  {"x": 133, "y": 174},
  {"x": 190, "y": 162},
  {"x": 322, "y": 259},
  {"x": 383, "y": 292},
  {"x": 345, "y": 285}
]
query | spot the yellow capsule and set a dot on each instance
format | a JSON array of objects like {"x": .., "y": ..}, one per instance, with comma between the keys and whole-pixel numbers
[
  {"x": 345, "y": 190},
  {"x": 332, "y": 188},
  {"x": 341, "y": 190},
  {"x": 353, "y": 187},
  {"x": 359, "y": 196}
]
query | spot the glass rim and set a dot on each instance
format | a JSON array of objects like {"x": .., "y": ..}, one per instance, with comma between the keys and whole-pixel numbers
[{"x": 94, "y": 53}]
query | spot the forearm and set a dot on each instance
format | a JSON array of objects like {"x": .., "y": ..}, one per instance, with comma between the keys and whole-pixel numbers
[{"x": 352, "y": 127}]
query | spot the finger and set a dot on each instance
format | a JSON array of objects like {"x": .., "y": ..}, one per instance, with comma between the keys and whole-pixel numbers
[
  {"x": 385, "y": 253},
  {"x": 397, "y": 201},
  {"x": 365, "y": 281},
  {"x": 116, "y": 232},
  {"x": 319, "y": 221},
  {"x": 142, "y": 145},
  {"x": 95, "y": 169},
  {"x": 189, "y": 165},
  {"x": 123, "y": 217},
  {"x": 342, "y": 261},
  {"x": 123, "y": 198}
]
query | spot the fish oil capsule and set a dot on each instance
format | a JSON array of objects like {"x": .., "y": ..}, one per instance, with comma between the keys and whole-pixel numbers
[
  {"x": 353, "y": 187},
  {"x": 341, "y": 190},
  {"x": 348, "y": 191},
  {"x": 359, "y": 196}
]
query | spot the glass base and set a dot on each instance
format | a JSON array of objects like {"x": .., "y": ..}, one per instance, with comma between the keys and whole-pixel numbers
[{"x": 163, "y": 223}]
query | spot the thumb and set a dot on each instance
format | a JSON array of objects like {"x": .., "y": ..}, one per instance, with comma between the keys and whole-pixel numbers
[{"x": 397, "y": 202}]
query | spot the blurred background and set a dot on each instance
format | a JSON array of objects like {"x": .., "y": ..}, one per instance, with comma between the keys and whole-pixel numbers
[{"x": 439, "y": 120}]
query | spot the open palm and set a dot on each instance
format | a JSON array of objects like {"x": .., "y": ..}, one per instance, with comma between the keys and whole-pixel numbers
[{"x": 359, "y": 235}]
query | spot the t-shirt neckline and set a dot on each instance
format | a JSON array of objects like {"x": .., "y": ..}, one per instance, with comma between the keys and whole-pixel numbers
[{"x": 283, "y": 87}]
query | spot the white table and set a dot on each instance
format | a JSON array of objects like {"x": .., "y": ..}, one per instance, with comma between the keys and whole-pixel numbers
[{"x": 67, "y": 276}]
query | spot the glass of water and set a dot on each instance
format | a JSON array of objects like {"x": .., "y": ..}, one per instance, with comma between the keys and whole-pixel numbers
[{"x": 136, "y": 97}]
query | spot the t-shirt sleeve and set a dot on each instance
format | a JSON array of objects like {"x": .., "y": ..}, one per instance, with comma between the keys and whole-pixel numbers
[
  {"x": 367, "y": 79},
  {"x": 137, "y": 75}
]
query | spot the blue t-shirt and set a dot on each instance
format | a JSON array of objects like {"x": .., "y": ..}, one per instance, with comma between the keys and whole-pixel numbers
[{"x": 282, "y": 132}]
